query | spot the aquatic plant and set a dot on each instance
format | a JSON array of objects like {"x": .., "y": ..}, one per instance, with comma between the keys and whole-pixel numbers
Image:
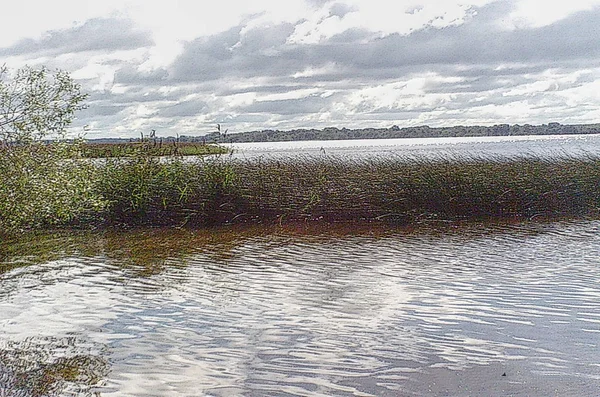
[
  {"x": 151, "y": 191},
  {"x": 404, "y": 190},
  {"x": 409, "y": 189},
  {"x": 146, "y": 190}
]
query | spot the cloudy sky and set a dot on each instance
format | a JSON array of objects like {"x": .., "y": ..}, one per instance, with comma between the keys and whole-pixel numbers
[{"x": 184, "y": 65}]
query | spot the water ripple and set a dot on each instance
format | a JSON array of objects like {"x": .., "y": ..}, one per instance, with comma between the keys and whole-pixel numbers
[{"x": 369, "y": 314}]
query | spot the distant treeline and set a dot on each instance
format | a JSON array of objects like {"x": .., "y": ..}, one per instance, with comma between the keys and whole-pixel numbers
[{"x": 333, "y": 133}]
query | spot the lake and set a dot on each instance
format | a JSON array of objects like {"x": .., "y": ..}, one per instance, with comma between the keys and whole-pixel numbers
[
  {"x": 304, "y": 310},
  {"x": 538, "y": 145},
  {"x": 310, "y": 309}
]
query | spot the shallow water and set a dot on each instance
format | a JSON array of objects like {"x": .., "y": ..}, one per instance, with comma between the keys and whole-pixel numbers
[{"x": 304, "y": 311}]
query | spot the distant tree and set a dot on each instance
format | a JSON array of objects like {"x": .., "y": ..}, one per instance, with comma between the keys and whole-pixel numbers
[{"x": 36, "y": 102}]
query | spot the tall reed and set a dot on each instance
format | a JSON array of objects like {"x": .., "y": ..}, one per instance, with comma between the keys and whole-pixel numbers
[
  {"x": 333, "y": 189},
  {"x": 145, "y": 190}
]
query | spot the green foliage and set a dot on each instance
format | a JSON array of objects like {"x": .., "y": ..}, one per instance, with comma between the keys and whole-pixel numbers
[
  {"x": 41, "y": 184},
  {"x": 35, "y": 103},
  {"x": 148, "y": 190},
  {"x": 45, "y": 185}
]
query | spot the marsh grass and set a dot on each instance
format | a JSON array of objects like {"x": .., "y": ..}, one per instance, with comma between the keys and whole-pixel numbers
[
  {"x": 145, "y": 190},
  {"x": 150, "y": 191},
  {"x": 402, "y": 190},
  {"x": 155, "y": 147},
  {"x": 409, "y": 189}
]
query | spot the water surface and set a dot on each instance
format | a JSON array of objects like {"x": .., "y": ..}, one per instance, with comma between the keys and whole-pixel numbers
[
  {"x": 537, "y": 145},
  {"x": 304, "y": 311}
]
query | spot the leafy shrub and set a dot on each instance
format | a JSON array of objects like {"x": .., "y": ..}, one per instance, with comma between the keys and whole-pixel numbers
[{"x": 46, "y": 185}]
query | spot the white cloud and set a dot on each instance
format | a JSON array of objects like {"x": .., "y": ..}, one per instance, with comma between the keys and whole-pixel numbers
[
  {"x": 261, "y": 64},
  {"x": 384, "y": 17},
  {"x": 310, "y": 71},
  {"x": 32, "y": 18},
  {"x": 586, "y": 94},
  {"x": 403, "y": 96},
  {"x": 537, "y": 13}
]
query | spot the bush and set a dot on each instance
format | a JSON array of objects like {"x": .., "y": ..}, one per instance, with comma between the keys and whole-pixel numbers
[
  {"x": 46, "y": 185},
  {"x": 41, "y": 184}
]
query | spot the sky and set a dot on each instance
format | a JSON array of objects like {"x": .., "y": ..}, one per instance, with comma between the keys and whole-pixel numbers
[{"x": 181, "y": 67}]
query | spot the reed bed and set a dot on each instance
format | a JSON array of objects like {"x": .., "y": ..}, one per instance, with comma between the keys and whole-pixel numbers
[
  {"x": 399, "y": 190},
  {"x": 38, "y": 191}
]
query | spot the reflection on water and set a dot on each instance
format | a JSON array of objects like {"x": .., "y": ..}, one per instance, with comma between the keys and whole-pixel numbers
[{"x": 306, "y": 310}]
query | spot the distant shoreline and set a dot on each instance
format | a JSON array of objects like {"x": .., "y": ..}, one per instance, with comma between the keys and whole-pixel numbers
[{"x": 393, "y": 132}]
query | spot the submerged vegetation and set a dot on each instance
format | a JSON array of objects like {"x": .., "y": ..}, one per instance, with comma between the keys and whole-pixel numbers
[{"x": 47, "y": 366}]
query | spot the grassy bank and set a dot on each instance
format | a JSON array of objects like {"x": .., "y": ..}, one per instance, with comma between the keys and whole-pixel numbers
[
  {"x": 145, "y": 191},
  {"x": 154, "y": 147}
]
